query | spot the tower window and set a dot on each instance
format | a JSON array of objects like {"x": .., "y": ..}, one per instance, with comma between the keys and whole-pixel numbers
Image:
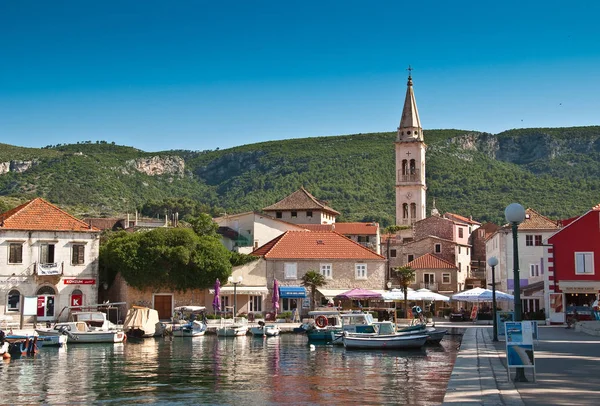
[{"x": 408, "y": 133}]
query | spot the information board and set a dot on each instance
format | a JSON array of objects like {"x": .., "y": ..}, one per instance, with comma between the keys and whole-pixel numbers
[
  {"x": 519, "y": 344},
  {"x": 501, "y": 318}
]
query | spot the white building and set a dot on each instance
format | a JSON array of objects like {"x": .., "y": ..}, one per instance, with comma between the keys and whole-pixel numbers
[{"x": 49, "y": 254}]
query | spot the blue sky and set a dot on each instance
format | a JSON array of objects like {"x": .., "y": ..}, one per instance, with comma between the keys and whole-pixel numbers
[{"x": 200, "y": 75}]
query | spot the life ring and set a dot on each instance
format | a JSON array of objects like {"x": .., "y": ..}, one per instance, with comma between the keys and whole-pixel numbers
[{"x": 321, "y": 321}]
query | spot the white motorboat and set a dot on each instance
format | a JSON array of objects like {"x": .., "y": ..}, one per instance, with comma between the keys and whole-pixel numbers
[
  {"x": 265, "y": 330},
  {"x": 142, "y": 322},
  {"x": 322, "y": 324},
  {"x": 192, "y": 326},
  {"x": 85, "y": 327},
  {"x": 238, "y": 326},
  {"x": 383, "y": 341},
  {"x": 354, "y": 322}
]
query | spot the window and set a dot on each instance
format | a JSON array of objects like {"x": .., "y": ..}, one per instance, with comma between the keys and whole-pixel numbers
[
  {"x": 460, "y": 232},
  {"x": 290, "y": 270},
  {"x": 529, "y": 240},
  {"x": 294, "y": 214},
  {"x": 459, "y": 267},
  {"x": 224, "y": 303},
  {"x": 392, "y": 253},
  {"x": 255, "y": 304},
  {"x": 438, "y": 248},
  {"x": 278, "y": 214},
  {"x": 78, "y": 252},
  {"x": 467, "y": 251},
  {"x": 459, "y": 249},
  {"x": 255, "y": 244},
  {"x": 13, "y": 301},
  {"x": 446, "y": 278},
  {"x": 47, "y": 253},
  {"x": 363, "y": 239},
  {"x": 534, "y": 270},
  {"x": 428, "y": 278},
  {"x": 309, "y": 214},
  {"x": 584, "y": 263},
  {"x": 326, "y": 271},
  {"x": 410, "y": 257},
  {"x": 538, "y": 240},
  {"x": 361, "y": 271},
  {"x": 15, "y": 254}
]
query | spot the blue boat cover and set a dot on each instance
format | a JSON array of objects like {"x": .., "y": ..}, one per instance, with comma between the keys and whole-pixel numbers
[{"x": 292, "y": 292}]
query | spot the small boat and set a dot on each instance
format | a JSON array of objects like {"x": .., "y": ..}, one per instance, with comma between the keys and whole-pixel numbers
[
  {"x": 354, "y": 322},
  {"x": 238, "y": 326},
  {"x": 85, "y": 327},
  {"x": 322, "y": 324},
  {"x": 142, "y": 322},
  {"x": 192, "y": 327},
  {"x": 383, "y": 341},
  {"x": 434, "y": 336},
  {"x": 265, "y": 330}
]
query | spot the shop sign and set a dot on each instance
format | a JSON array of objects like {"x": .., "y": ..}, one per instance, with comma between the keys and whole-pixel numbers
[{"x": 79, "y": 281}]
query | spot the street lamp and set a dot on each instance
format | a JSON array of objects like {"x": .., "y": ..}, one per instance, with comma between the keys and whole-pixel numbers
[
  {"x": 515, "y": 214},
  {"x": 493, "y": 261},
  {"x": 235, "y": 282}
]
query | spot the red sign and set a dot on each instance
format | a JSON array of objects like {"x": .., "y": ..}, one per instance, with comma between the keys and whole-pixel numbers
[
  {"x": 79, "y": 281},
  {"x": 76, "y": 300}
]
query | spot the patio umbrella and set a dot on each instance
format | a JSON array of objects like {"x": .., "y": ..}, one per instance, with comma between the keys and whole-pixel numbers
[
  {"x": 481, "y": 295},
  {"x": 359, "y": 294},
  {"x": 398, "y": 294},
  {"x": 426, "y": 294},
  {"x": 275, "y": 296},
  {"x": 217, "y": 300}
]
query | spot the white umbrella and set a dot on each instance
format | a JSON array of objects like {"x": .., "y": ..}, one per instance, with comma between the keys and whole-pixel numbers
[
  {"x": 398, "y": 294},
  {"x": 426, "y": 294},
  {"x": 481, "y": 295}
]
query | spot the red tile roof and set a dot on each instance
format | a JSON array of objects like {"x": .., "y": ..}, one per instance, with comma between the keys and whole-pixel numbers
[
  {"x": 39, "y": 215},
  {"x": 314, "y": 245},
  {"x": 301, "y": 200},
  {"x": 345, "y": 228},
  {"x": 430, "y": 261},
  {"x": 535, "y": 221},
  {"x": 458, "y": 217}
]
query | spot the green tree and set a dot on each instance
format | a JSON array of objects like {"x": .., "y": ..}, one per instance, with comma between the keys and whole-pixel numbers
[
  {"x": 313, "y": 280},
  {"x": 174, "y": 258},
  {"x": 406, "y": 276},
  {"x": 204, "y": 225}
]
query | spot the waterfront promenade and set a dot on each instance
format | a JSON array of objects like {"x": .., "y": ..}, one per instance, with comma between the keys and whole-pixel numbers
[{"x": 567, "y": 370}]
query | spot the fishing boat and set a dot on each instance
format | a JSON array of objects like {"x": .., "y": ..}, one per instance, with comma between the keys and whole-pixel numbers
[
  {"x": 85, "y": 327},
  {"x": 265, "y": 330},
  {"x": 354, "y": 322},
  {"x": 434, "y": 336},
  {"x": 383, "y": 341},
  {"x": 235, "y": 327},
  {"x": 142, "y": 322},
  {"x": 322, "y": 324},
  {"x": 195, "y": 321}
]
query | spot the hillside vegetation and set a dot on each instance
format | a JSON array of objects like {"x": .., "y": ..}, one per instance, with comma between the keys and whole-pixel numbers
[{"x": 553, "y": 170}]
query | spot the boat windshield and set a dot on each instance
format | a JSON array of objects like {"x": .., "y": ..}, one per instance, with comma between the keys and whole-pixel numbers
[
  {"x": 386, "y": 328},
  {"x": 357, "y": 319}
]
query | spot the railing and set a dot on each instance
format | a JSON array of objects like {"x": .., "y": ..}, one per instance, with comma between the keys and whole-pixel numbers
[
  {"x": 431, "y": 286},
  {"x": 412, "y": 176}
]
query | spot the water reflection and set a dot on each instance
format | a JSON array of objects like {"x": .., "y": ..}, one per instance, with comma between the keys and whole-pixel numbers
[{"x": 241, "y": 370}]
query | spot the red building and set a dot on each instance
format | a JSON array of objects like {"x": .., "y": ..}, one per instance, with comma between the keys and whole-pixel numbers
[{"x": 573, "y": 257}]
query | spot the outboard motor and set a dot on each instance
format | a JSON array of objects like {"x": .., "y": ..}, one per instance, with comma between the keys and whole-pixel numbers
[{"x": 64, "y": 330}]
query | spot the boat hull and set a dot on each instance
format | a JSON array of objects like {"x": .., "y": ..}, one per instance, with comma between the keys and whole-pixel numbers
[
  {"x": 87, "y": 337},
  {"x": 232, "y": 331},
  {"x": 384, "y": 342},
  {"x": 266, "y": 331},
  {"x": 194, "y": 329}
]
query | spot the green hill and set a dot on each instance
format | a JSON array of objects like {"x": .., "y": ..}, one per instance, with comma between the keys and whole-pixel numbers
[{"x": 553, "y": 170}]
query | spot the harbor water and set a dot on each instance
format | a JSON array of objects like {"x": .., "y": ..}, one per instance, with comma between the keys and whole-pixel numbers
[{"x": 228, "y": 371}]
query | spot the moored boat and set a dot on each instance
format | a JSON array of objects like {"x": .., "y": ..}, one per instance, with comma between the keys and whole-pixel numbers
[
  {"x": 354, "y": 322},
  {"x": 142, "y": 322},
  {"x": 238, "y": 326},
  {"x": 85, "y": 327},
  {"x": 385, "y": 341},
  {"x": 265, "y": 330},
  {"x": 322, "y": 324},
  {"x": 193, "y": 327}
]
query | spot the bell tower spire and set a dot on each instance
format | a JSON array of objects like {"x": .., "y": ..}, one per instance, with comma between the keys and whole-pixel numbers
[{"x": 410, "y": 162}]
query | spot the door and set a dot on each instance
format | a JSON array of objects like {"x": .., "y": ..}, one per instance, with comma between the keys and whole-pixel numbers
[
  {"x": 45, "y": 308},
  {"x": 163, "y": 305}
]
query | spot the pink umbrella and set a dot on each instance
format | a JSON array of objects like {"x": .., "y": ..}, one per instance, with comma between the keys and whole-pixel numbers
[
  {"x": 358, "y": 294},
  {"x": 217, "y": 300},
  {"x": 275, "y": 296}
]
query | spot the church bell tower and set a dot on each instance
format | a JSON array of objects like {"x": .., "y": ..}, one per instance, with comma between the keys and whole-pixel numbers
[{"x": 410, "y": 163}]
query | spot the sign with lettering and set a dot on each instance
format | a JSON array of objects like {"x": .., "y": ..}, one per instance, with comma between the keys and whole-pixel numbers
[
  {"x": 519, "y": 344},
  {"x": 79, "y": 281}
]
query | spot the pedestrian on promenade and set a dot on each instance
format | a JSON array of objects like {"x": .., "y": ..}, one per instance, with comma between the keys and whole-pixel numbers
[{"x": 572, "y": 320}]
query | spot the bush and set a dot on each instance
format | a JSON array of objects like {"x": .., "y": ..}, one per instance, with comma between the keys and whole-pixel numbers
[
  {"x": 284, "y": 315},
  {"x": 259, "y": 316}
]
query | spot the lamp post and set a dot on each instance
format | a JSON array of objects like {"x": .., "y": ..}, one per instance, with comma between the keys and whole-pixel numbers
[
  {"x": 515, "y": 214},
  {"x": 493, "y": 261},
  {"x": 235, "y": 282}
]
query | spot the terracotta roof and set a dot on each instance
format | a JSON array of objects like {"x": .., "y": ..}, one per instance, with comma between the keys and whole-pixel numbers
[
  {"x": 314, "y": 245},
  {"x": 535, "y": 221},
  {"x": 430, "y": 261},
  {"x": 106, "y": 223},
  {"x": 301, "y": 200},
  {"x": 461, "y": 218},
  {"x": 39, "y": 215},
  {"x": 345, "y": 228}
]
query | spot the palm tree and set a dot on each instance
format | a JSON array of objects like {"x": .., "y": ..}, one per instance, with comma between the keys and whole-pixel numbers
[
  {"x": 406, "y": 276},
  {"x": 313, "y": 280}
]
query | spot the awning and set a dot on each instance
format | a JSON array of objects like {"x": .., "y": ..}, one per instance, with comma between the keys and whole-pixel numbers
[
  {"x": 292, "y": 292},
  {"x": 331, "y": 293},
  {"x": 242, "y": 290}
]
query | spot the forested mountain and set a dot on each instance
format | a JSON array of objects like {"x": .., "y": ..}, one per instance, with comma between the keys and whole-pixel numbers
[{"x": 553, "y": 170}]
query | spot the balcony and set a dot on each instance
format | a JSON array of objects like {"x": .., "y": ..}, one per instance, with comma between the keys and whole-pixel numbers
[
  {"x": 431, "y": 286},
  {"x": 411, "y": 176}
]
